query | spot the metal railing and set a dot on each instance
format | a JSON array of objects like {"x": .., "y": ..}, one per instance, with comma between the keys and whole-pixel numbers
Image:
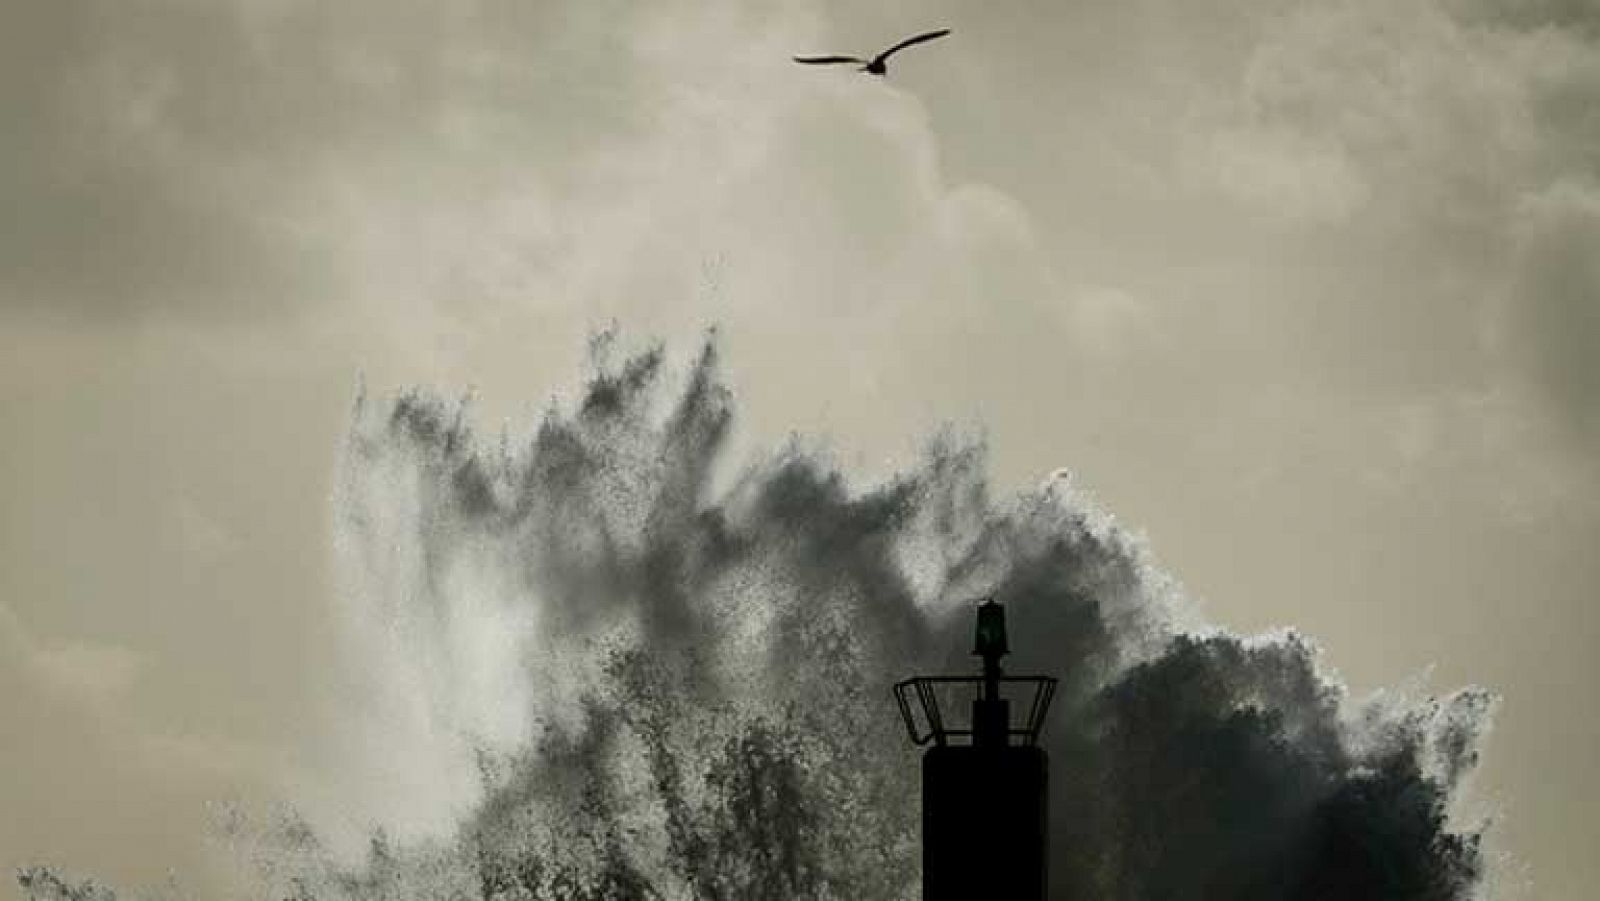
[{"x": 928, "y": 699}]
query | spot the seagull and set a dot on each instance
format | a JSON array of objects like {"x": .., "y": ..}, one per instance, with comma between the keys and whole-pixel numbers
[{"x": 876, "y": 65}]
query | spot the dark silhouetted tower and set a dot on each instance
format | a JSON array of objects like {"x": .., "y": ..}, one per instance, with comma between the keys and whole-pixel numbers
[{"x": 984, "y": 820}]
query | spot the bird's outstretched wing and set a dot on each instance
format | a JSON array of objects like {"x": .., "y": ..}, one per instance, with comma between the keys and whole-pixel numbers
[
  {"x": 828, "y": 60},
  {"x": 925, "y": 36}
]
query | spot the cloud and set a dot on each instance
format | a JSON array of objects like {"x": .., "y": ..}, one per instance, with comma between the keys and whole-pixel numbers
[
  {"x": 121, "y": 208},
  {"x": 1556, "y": 311},
  {"x": 104, "y": 789},
  {"x": 184, "y": 159}
]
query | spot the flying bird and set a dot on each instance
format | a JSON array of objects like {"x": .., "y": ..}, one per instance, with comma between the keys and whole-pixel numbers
[{"x": 878, "y": 64}]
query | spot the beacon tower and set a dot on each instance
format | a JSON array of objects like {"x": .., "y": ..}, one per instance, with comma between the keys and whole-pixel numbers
[{"x": 984, "y": 775}]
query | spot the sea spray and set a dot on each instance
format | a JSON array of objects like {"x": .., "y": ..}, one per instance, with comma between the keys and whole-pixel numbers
[{"x": 598, "y": 674}]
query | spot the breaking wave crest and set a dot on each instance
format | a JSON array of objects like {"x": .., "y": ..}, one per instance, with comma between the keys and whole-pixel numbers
[{"x": 606, "y": 669}]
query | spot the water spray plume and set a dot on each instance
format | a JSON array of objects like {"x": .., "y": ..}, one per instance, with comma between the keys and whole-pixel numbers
[{"x": 608, "y": 678}]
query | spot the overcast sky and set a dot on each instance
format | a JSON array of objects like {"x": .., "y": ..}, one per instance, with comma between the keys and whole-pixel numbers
[{"x": 1307, "y": 291}]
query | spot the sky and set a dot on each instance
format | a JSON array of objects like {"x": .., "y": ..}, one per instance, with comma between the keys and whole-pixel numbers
[{"x": 1307, "y": 293}]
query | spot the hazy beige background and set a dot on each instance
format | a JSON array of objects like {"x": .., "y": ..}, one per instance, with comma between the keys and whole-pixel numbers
[{"x": 1308, "y": 290}]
